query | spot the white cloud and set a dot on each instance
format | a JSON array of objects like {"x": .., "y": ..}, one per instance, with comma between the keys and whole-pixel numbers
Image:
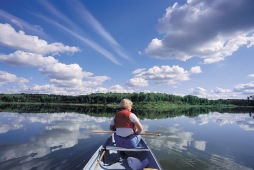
[
  {"x": 217, "y": 93},
  {"x": 211, "y": 30},
  {"x": 6, "y": 78},
  {"x": 221, "y": 90},
  {"x": 199, "y": 91},
  {"x": 114, "y": 89},
  {"x": 21, "y": 58},
  {"x": 195, "y": 70},
  {"x": 162, "y": 75},
  {"x": 21, "y": 41},
  {"x": 247, "y": 88},
  {"x": 45, "y": 89},
  {"x": 251, "y": 75},
  {"x": 64, "y": 90},
  {"x": 66, "y": 75},
  {"x": 95, "y": 81},
  {"x": 138, "y": 81}
]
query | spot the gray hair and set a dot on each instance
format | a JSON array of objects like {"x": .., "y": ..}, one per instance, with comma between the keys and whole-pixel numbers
[{"x": 126, "y": 103}]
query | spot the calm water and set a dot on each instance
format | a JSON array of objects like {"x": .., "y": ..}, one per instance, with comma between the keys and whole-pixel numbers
[{"x": 63, "y": 140}]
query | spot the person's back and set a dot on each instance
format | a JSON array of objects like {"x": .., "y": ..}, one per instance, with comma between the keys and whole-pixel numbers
[{"x": 127, "y": 126}]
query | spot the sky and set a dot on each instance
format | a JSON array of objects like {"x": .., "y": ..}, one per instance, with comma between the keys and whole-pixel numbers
[{"x": 195, "y": 47}]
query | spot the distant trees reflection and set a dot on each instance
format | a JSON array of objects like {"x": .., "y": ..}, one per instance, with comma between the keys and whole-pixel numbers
[{"x": 109, "y": 111}]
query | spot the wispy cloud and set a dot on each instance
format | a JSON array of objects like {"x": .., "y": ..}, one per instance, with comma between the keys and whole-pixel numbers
[
  {"x": 79, "y": 33},
  {"x": 91, "y": 20},
  {"x": 21, "y": 24},
  {"x": 89, "y": 42}
]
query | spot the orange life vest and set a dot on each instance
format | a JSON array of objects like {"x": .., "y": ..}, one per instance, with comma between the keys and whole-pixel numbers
[{"x": 122, "y": 120}]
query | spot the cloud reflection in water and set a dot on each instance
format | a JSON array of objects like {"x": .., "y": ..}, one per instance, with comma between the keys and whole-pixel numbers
[{"x": 60, "y": 130}]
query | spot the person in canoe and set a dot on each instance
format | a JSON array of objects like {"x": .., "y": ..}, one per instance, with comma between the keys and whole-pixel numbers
[{"x": 127, "y": 126}]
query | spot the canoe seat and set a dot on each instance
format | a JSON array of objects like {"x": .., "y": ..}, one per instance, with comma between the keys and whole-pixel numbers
[{"x": 126, "y": 149}]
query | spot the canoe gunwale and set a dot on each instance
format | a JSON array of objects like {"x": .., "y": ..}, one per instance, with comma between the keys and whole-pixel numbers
[{"x": 107, "y": 146}]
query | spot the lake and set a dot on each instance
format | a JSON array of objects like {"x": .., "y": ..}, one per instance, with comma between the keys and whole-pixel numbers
[{"x": 63, "y": 140}]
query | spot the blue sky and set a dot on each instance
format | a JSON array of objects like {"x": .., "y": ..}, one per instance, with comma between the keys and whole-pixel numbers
[{"x": 197, "y": 47}]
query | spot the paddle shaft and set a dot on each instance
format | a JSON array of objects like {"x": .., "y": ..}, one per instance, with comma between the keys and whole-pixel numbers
[
  {"x": 144, "y": 134},
  {"x": 97, "y": 165}
]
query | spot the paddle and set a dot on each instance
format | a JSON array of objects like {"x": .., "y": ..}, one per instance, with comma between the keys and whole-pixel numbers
[
  {"x": 144, "y": 134},
  {"x": 97, "y": 165}
]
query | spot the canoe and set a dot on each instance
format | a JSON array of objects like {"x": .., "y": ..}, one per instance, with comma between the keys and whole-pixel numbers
[{"x": 109, "y": 156}]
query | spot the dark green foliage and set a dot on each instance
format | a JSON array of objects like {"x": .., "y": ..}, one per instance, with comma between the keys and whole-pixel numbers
[
  {"x": 113, "y": 98},
  {"x": 104, "y": 111}
]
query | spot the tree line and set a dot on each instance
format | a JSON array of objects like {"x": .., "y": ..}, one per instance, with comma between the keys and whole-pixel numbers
[
  {"x": 102, "y": 111},
  {"x": 115, "y": 98}
]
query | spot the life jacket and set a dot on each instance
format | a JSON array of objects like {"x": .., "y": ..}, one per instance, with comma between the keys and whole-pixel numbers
[{"x": 122, "y": 120}]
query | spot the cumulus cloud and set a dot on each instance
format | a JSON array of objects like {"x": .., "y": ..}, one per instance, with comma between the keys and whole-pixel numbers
[
  {"x": 251, "y": 75},
  {"x": 19, "y": 40},
  {"x": 247, "y": 88},
  {"x": 217, "y": 93},
  {"x": 6, "y": 78},
  {"x": 138, "y": 81},
  {"x": 66, "y": 75},
  {"x": 162, "y": 75},
  {"x": 239, "y": 91},
  {"x": 221, "y": 90},
  {"x": 199, "y": 91},
  {"x": 45, "y": 89},
  {"x": 114, "y": 89},
  {"x": 211, "y": 30},
  {"x": 64, "y": 90}
]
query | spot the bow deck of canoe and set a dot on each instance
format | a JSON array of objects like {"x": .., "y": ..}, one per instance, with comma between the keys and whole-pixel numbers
[{"x": 108, "y": 156}]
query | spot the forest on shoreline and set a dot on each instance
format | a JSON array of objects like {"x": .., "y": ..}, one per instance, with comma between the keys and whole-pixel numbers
[
  {"x": 143, "y": 100},
  {"x": 147, "y": 105}
]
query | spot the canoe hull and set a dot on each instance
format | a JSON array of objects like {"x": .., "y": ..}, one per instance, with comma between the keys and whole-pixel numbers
[{"x": 115, "y": 158}]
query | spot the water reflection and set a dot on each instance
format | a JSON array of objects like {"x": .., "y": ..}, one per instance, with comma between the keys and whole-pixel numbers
[
  {"x": 218, "y": 161},
  {"x": 64, "y": 141},
  {"x": 173, "y": 138},
  {"x": 242, "y": 120},
  {"x": 211, "y": 141},
  {"x": 51, "y": 133}
]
